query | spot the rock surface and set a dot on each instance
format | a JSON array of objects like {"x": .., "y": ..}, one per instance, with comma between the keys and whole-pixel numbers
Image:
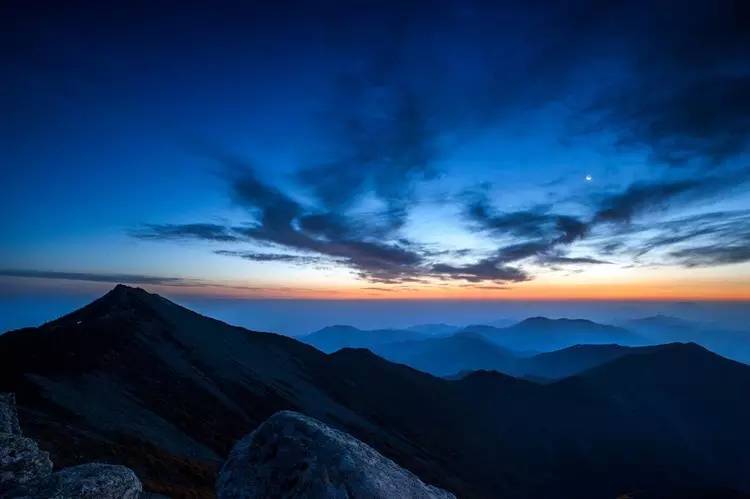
[
  {"x": 97, "y": 481},
  {"x": 26, "y": 471},
  {"x": 22, "y": 463},
  {"x": 8, "y": 416},
  {"x": 294, "y": 456}
]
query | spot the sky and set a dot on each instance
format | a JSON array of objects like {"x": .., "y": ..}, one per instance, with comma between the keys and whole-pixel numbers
[{"x": 454, "y": 150}]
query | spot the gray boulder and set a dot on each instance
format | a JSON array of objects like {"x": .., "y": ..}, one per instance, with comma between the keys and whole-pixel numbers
[
  {"x": 22, "y": 464},
  {"x": 26, "y": 471},
  {"x": 8, "y": 416},
  {"x": 294, "y": 456},
  {"x": 96, "y": 481}
]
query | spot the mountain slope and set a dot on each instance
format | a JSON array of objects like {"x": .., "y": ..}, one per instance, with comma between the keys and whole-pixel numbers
[
  {"x": 543, "y": 335},
  {"x": 332, "y": 338},
  {"x": 662, "y": 329},
  {"x": 134, "y": 379},
  {"x": 449, "y": 355},
  {"x": 573, "y": 360},
  {"x": 434, "y": 329},
  {"x": 691, "y": 402}
]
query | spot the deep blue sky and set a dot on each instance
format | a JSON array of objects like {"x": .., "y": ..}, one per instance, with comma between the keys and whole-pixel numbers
[{"x": 375, "y": 149}]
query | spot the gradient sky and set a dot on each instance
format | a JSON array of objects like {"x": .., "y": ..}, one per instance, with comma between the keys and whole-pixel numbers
[{"x": 457, "y": 149}]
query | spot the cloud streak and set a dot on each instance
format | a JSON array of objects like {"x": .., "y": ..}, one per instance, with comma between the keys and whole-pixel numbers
[
  {"x": 153, "y": 280},
  {"x": 204, "y": 231}
]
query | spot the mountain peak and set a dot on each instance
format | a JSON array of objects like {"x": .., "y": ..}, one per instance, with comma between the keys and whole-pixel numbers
[
  {"x": 125, "y": 290},
  {"x": 120, "y": 300},
  {"x": 539, "y": 320}
]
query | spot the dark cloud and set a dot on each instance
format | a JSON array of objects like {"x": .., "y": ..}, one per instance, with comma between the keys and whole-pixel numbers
[
  {"x": 97, "y": 277},
  {"x": 686, "y": 97},
  {"x": 567, "y": 260},
  {"x": 543, "y": 235},
  {"x": 703, "y": 121},
  {"x": 488, "y": 269},
  {"x": 643, "y": 197},
  {"x": 138, "y": 279},
  {"x": 706, "y": 239},
  {"x": 274, "y": 257},
  {"x": 541, "y": 232},
  {"x": 204, "y": 231},
  {"x": 534, "y": 223},
  {"x": 713, "y": 254},
  {"x": 384, "y": 148},
  {"x": 282, "y": 221}
]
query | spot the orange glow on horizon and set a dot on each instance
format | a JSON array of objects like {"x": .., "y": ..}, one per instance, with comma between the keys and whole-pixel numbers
[
  {"x": 667, "y": 288},
  {"x": 652, "y": 291}
]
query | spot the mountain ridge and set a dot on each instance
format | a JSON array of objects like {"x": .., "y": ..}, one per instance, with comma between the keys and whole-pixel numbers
[{"x": 144, "y": 382}]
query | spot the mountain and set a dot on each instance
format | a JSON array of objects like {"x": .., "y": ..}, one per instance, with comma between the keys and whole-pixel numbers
[
  {"x": 449, "y": 355},
  {"x": 663, "y": 328},
  {"x": 573, "y": 360},
  {"x": 694, "y": 403},
  {"x": 135, "y": 379},
  {"x": 434, "y": 329},
  {"x": 543, "y": 335},
  {"x": 332, "y": 338},
  {"x": 456, "y": 356}
]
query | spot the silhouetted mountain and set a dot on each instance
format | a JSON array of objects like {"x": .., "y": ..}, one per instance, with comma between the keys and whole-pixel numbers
[
  {"x": 573, "y": 360},
  {"x": 500, "y": 323},
  {"x": 692, "y": 402},
  {"x": 332, "y": 338},
  {"x": 135, "y": 379},
  {"x": 449, "y": 355},
  {"x": 543, "y": 335},
  {"x": 434, "y": 329},
  {"x": 455, "y": 357},
  {"x": 663, "y": 328}
]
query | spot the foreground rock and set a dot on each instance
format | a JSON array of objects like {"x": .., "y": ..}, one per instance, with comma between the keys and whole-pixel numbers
[
  {"x": 22, "y": 464},
  {"x": 8, "y": 416},
  {"x": 294, "y": 456},
  {"x": 26, "y": 471},
  {"x": 97, "y": 481}
]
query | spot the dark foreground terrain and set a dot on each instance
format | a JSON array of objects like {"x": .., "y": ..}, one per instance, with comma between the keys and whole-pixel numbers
[{"x": 135, "y": 379}]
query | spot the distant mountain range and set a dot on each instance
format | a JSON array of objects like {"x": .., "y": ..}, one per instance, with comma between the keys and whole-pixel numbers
[
  {"x": 133, "y": 378},
  {"x": 543, "y": 334},
  {"x": 332, "y": 338},
  {"x": 465, "y": 352},
  {"x": 450, "y": 354},
  {"x": 529, "y": 336},
  {"x": 662, "y": 328}
]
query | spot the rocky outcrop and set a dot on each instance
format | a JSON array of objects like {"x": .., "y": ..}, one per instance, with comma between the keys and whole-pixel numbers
[
  {"x": 295, "y": 456},
  {"x": 8, "y": 416},
  {"x": 98, "y": 481},
  {"x": 26, "y": 471},
  {"x": 22, "y": 464}
]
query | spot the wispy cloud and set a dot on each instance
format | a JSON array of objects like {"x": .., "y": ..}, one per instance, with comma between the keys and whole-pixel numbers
[
  {"x": 96, "y": 277},
  {"x": 206, "y": 231}
]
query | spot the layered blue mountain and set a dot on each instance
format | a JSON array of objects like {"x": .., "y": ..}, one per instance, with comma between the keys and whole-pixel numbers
[
  {"x": 662, "y": 329},
  {"x": 135, "y": 379},
  {"x": 449, "y": 355},
  {"x": 439, "y": 329},
  {"x": 540, "y": 334},
  {"x": 455, "y": 356},
  {"x": 332, "y": 338}
]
